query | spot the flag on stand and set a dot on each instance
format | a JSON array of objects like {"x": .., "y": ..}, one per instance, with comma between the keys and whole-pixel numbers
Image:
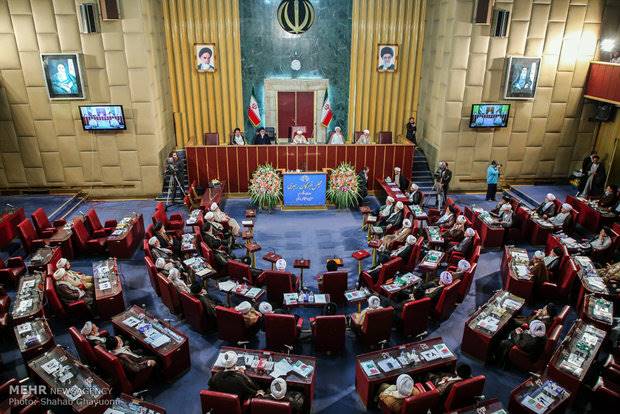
[
  {"x": 326, "y": 114},
  {"x": 253, "y": 112}
]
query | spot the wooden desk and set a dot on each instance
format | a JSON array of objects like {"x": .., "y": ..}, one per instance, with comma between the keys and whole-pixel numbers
[
  {"x": 173, "y": 356},
  {"x": 392, "y": 190},
  {"x": 478, "y": 340},
  {"x": 590, "y": 215},
  {"x": 433, "y": 235},
  {"x": 28, "y": 298},
  {"x": 126, "y": 404},
  {"x": 430, "y": 263},
  {"x": 598, "y": 311},
  {"x": 491, "y": 234},
  {"x": 400, "y": 283},
  {"x": 531, "y": 388},
  {"x": 33, "y": 338},
  {"x": 592, "y": 283},
  {"x": 491, "y": 406},
  {"x": 290, "y": 302},
  {"x": 189, "y": 244},
  {"x": 62, "y": 238},
  {"x": 108, "y": 288},
  {"x": 129, "y": 232},
  {"x": 88, "y": 391},
  {"x": 516, "y": 258},
  {"x": 42, "y": 257},
  {"x": 293, "y": 380},
  {"x": 301, "y": 264},
  {"x": 241, "y": 291},
  {"x": 367, "y": 387}
]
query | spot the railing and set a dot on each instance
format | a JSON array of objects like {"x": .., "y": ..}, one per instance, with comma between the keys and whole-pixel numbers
[{"x": 603, "y": 83}]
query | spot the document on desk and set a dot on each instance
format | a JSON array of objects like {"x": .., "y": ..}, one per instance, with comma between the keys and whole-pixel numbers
[
  {"x": 389, "y": 364},
  {"x": 320, "y": 299},
  {"x": 281, "y": 368},
  {"x": 131, "y": 321},
  {"x": 370, "y": 368},
  {"x": 302, "y": 369},
  {"x": 156, "y": 339},
  {"x": 253, "y": 292},
  {"x": 226, "y": 286},
  {"x": 51, "y": 366},
  {"x": 443, "y": 350}
]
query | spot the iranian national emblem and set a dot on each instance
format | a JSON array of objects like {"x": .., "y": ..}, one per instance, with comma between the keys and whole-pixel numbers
[
  {"x": 304, "y": 178},
  {"x": 296, "y": 16}
]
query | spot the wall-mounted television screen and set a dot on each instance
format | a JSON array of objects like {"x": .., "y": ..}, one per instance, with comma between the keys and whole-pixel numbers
[
  {"x": 489, "y": 115},
  {"x": 102, "y": 117}
]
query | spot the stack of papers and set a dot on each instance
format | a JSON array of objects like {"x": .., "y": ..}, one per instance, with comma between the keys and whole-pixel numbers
[
  {"x": 131, "y": 321},
  {"x": 156, "y": 339},
  {"x": 370, "y": 368},
  {"x": 430, "y": 355},
  {"x": 226, "y": 286},
  {"x": 320, "y": 299},
  {"x": 443, "y": 350},
  {"x": 281, "y": 368},
  {"x": 302, "y": 369},
  {"x": 522, "y": 271},
  {"x": 354, "y": 295},
  {"x": 489, "y": 323}
]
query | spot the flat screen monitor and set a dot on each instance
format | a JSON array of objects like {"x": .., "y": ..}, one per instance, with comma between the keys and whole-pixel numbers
[
  {"x": 489, "y": 115},
  {"x": 102, "y": 117}
]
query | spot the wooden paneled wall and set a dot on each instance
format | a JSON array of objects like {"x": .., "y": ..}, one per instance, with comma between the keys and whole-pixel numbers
[
  {"x": 381, "y": 101},
  {"x": 204, "y": 102}
]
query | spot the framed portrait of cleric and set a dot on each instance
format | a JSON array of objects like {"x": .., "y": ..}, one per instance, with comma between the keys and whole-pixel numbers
[
  {"x": 521, "y": 77},
  {"x": 63, "y": 75},
  {"x": 387, "y": 58},
  {"x": 205, "y": 57}
]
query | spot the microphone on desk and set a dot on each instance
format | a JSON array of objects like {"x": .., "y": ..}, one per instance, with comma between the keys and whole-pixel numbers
[
  {"x": 10, "y": 205},
  {"x": 243, "y": 343}
]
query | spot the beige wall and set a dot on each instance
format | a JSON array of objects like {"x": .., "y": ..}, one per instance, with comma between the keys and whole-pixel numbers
[
  {"x": 41, "y": 141},
  {"x": 462, "y": 65}
]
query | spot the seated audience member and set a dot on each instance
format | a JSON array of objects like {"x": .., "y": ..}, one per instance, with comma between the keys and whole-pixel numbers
[
  {"x": 505, "y": 200},
  {"x": 563, "y": 218},
  {"x": 166, "y": 240},
  {"x": 506, "y": 214},
  {"x": 251, "y": 316},
  {"x": 86, "y": 280},
  {"x": 157, "y": 251},
  {"x": 434, "y": 288},
  {"x": 385, "y": 210},
  {"x": 537, "y": 268},
  {"x": 93, "y": 334},
  {"x": 546, "y": 315},
  {"x": 388, "y": 241},
  {"x": 403, "y": 297},
  {"x": 466, "y": 245},
  {"x": 609, "y": 200},
  {"x": 364, "y": 139},
  {"x": 208, "y": 303},
  {"x": 461, "y": 267},
  {"x": 399, "y": 179},
  {"x": 456, "y": 232},
  {"x": 279, "y": 392},
  {"x": 331, "y": 266},
  {"x": 443, "y": 382},
  {"x": 174, "y": 276},
  {"x": 220, "y": 217},
  {"x": 336, "y": 138},
  {"x": 599, "y": 243},
  {"x": 213, "y": 238},
  {"x": 415, "y": 195},
  {"x": 552, "y": 260},
  {"x": 447, "y": 218},
  {"x": 299, "y": 138},
  {"x": 262, "y": 138},
  {"x": 394, "y": 220},
  {"x": 71, "y": 288},
  {"x": 280, "y": 267},
  {"x": 132, "y": 360},
  {"x": 393, "y": 395},
  {"x": 403, "y": 252},
  {"x": 357, "y": 318},
  {"x": 531, "y": 340},
  {"x": 238, "y": 138},
  {"x": 232, "y": 380},
  {"x": 546, "y": 209}
]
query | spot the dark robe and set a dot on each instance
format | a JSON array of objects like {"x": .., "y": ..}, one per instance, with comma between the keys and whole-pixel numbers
[
  {"x": 548, "y": 211},
  {"x": 262, "y": 140},
  {"x": 234, "y": 382}
]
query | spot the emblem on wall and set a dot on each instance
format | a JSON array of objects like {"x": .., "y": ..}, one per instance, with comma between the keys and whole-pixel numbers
[{"x": 296, "y": 16}]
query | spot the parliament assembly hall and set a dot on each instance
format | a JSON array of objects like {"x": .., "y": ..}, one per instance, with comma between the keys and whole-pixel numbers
[{"x": 309, "y": 206}]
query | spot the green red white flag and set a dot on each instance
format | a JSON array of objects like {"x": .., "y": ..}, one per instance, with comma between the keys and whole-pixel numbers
[
  {"x": 253, "y": 112},
  {"x": 326, "y": 113}
]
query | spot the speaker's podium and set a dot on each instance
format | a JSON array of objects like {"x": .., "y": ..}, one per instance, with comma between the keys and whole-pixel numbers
[{"x": 304, "y": 190}]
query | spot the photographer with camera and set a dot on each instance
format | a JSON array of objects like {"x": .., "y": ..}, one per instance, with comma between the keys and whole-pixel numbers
[
  {"x": 492, "y": 179},
  {"x": 174, "y": 170}
]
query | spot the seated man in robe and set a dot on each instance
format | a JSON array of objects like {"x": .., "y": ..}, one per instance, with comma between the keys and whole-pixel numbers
[
  {"x": 393, "y": 396},
  {"x": 403, "y": 252},
  {"x": 456, "y": 233},
  {"x": 208, "y": 303},
  {"x": 394, "y": 220},
  {"x": 506, "y": 216},
  {"x": 398, "y": 238},
  {"x": 537, "y": 268},
  {"x": 233, "y": 380},
  {"x": 71, "y": 288},
  {"x": 461, "y": 268},
  {"x": 598, "y": 243},
  {"x": 552, "y": 260},
  {"x": 251, "y": 317},
  {"x": 174, "y": 276},
  {"x": 546, "y": 209},
  {"x": 447, "y": 218},
  {"x": 563, "y": 218},
  {"x": 546, "y": 315},
  {"x": 434, "y": 288},
  {"x": 221, "y": 217},
  {"x": 415, "y": 195},
  {"x": 610, "y": 198},
  {"x": 166, "y": 240},
  {"x": 86, "y": 280},
  {"x": 357, "y": 318},
  {"x": 299, "y": 138},
  {"x": 466, "y": 245},
  {"x": 505, "y": 200},
  {"x": 385, "y": 210},
  {"x": 93, "y": 334},
  {"x": 157, "y": 251},
  {"x": 364, "y": 139},
  {"x": 336, "y": 138},
  {"x": 443, "y": 382},
  {"x": 132, "y": 360},
  {"x": 279, "y": 392},
  {"x": 400, "y": 179},
  {"x": 531, "y": 340},
  {"x": 238, "y": 138}
]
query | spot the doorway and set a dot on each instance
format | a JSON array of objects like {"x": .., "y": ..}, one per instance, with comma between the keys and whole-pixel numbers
[{"x": 295, "y": 109}]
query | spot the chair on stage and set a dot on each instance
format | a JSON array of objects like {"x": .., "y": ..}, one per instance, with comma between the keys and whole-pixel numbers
[
  {"x": 377, "y": 326},
  {"x": 523, "y": 362},
  {"x": 335, "y": 284},
  {"x": 211, "y": 138},
  {"x": 281, "y": 330},
  {"x": 385, "y": 137},
  {"x": 464, "y": 393},
  {"x": 415, "y": 317},
  {"x": 356, "y": 135},
  {"x": 447, "y": 301},
  {"x": 328, "y": 333}
]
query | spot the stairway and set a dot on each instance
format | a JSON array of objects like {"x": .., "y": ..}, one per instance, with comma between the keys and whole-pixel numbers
[
  {"x": 183, "y": 179},
  {"x": 423, "y": 177},
  {"x": 523, "y": 198}
]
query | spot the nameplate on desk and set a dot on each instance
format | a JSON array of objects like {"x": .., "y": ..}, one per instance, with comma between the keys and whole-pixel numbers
[{"x": 305, "y": 189}]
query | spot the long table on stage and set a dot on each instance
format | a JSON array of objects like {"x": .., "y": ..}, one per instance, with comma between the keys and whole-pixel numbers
[{"x": 236, "y": 163}]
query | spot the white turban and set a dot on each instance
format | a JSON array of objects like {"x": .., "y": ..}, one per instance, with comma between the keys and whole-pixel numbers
[
  {"x": 406, "y": 223},
  {"x": 374, "y": 302},
  {"x": 281, "y": 264},
  {"x": 539, "y": 254},
  {"x": 59, "y": 273},
  {"x": 461, "y": 219},
  {"x": 87, "y": 328},
  {"x": 411, "y": 240},
  {"x": 550, "y": 197},
  {"x": 464, "y": 265},
  {"x": 397, "y": 169},
  {"x": 337, "y": 129},
  {"x": 567, "y": 206},
  {"x": 470, "y": 232},
  {"x": 278, "y": 388},
  {"x": 152, "y": 241},
  {"x": 62, "y": 263},
  {"x": 244, "y": 307},
  {"x": 366, "y": 132},
  {"x": 445, "y": 278},
  {"x": 537, "y": 328},
  {"x": 174, "y": 272},
  {"x": 404, "y": 385},
  {"x": 390, "y": 199},
  {"x": 213, "y": 206},
  {"x": 399, "y": 205},
  {"x": 160, "y": 263},
  {"x": 168, "y": 266},
  {"x": 414, "y": 186},
  {"x": 229, "y": 359},
  {"x": 265, "y": 307},
  {"x": 506, "y": 207}
]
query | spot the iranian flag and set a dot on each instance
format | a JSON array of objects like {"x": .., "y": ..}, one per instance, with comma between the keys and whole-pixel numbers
[
  {"x": 253, "y": 112},
  {"x": 326, "y": 114}
]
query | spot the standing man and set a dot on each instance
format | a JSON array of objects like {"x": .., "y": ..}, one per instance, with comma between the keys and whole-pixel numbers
[
  {"x": 399, "y": 179},
  {"x": 594, "y": 179},
  {"x": 492, "y": 177},
  {"x": 362, "y": 179},
  {"x": 411, "y": 130},
  {"x": 585, "y": 168},
  {"x": 443, "y": 176},
  {"x": 262, "y": 138},
  {"x": 174, "y": 170}
]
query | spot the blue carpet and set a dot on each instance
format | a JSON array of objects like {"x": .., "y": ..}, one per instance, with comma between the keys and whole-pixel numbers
[
  {"x": 315, "y": 235},
  {"x": 538, "y": 192}
]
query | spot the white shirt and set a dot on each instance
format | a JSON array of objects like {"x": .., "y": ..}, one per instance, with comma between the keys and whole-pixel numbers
[
  {"x": 336, "y": 138},
  {"x": 299, "y": 139},
  {"x": 238, "y": 140},
  {"x": 363, "y": 139}
]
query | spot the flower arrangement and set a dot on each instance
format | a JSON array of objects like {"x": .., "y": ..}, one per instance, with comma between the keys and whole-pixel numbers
[
  {"x": 343, "y": 189},
  {"x": 265, "y": 187}
]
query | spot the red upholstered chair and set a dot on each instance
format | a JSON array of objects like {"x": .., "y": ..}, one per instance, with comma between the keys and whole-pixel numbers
[
  {"x": 466, "y": 282},
  {"x": 239, "y": 271},
  {"x": 230, "y": 325},
  {"x": 335, "y": 284},
  {"x": 84, "y": 242},
  {"x": 356, "y": 135},
  {"x": 414, "y": 257},
  {"x": 194, "y": 312},
  {"x": 522, "y": 361},
  {"x": 377, "y": 326},
  {"x": 115, "y": 373},
  {"x": 169, "y": 294},
  {"x": 147, "y": 249},
  {"x": 211, "y": 138},
  {"x": 149, "y": 232},
  {"x": 5, "y": 305},
  {"x": 415, "y": 316},
  {"x": 422, "y": 403},
  {"x": 263, "y": 406},
  {"x": 85, "y": 350},
  {"x": 560, "y": 318},
  {"x": 76, "y": 309},
  {"x": 42, "y": 223},
  {"x": 550, "y": 290},
  {"x": 152, "y": 271},
  {"x": 385, "y": 137},
  {"x": 213, "y": 402},
  {"x": 609, "y": 393},
  {"x": 280, "y": 330},
  {"x": 464, "y": 393},
  {"x": 207, "y": 253},
  {"x": 328, "y": 333},
  {"x": 447, "y": 301},
  {"x": 174, "y": 223},
  {"x": 277, "y": 284},
  {"x": 95, "y": 227},
  {"x": 12, "y": 269},
  {"x": 29, "y": 237},
  {"x": 387, "y": 271},
  {"x": 454, "y": 256}
]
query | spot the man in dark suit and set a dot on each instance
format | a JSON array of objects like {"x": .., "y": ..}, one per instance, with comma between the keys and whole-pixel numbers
[
  {"x": 208, "y": 303},
  {"x": 531, "y": 341},
  {"x": 262, "y": 138},
  {"x": 394, "y": 220},
  {"x": 362, "y": 178},
  {"x": 547, "y": 209},
  {"x": 466, "y": 245},
  {"x": 403, "y": 252},
  {"x": 415, "y": 195},
  {"x": 400, "y": 179},
  {"x": 610, "y": 198},
  {"x": 443, "y": 176},
  {"x": 233, "y": 380},
  {"x": 585, "y": 168},
  {"x": 133, "y": 362}
]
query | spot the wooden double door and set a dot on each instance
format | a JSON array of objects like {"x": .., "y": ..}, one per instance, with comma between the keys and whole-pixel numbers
[{"x": 295, "y": 108}]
